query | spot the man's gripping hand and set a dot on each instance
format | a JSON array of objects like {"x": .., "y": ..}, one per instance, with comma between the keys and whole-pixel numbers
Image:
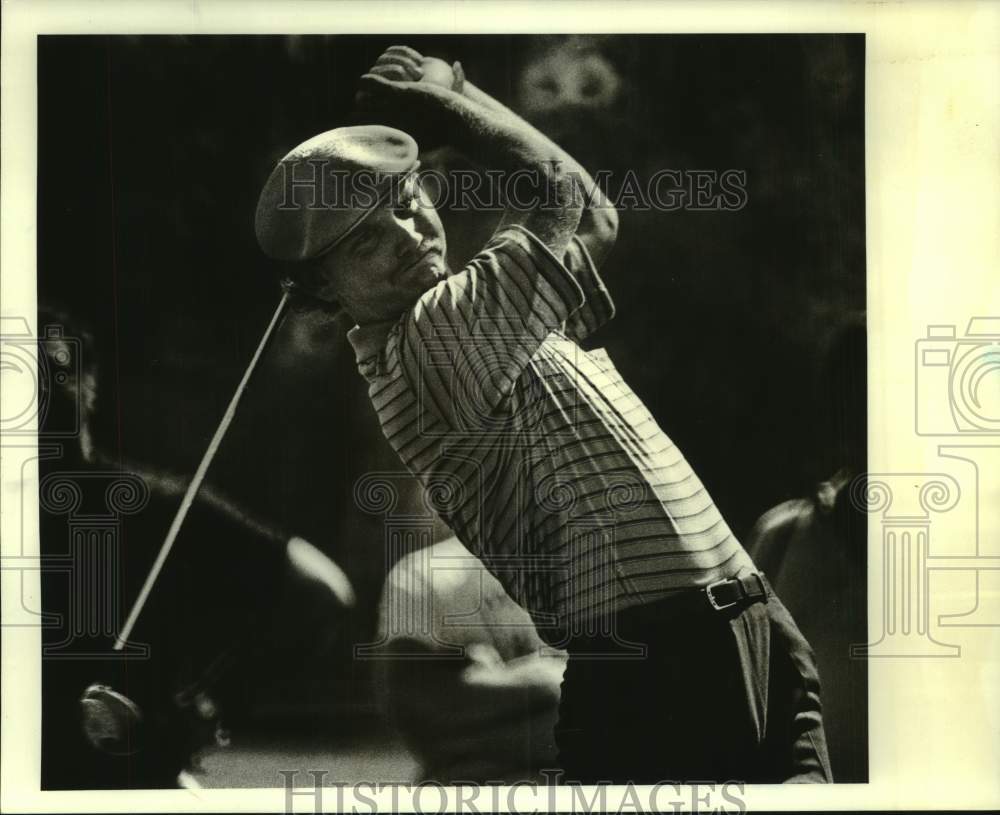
[
  {"x": 420, "y": 95},
  {"x": 413, "y": 94},
  {"x": 400, "y": 63}
]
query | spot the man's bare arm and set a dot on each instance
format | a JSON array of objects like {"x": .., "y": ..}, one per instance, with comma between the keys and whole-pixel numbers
[
  {"x": 598, "y": 228},
  {"x": 547, "y": 189}
]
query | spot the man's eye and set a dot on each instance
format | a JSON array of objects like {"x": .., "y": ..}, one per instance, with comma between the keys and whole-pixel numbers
[
  {"x": 410, "y": 193},
  {"x": 404, "y": 203}
]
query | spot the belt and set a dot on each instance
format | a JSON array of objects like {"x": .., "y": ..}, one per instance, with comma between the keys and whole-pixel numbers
[
  {"x": 715, "y": 603},
  {"x": 736, "y": 593}
]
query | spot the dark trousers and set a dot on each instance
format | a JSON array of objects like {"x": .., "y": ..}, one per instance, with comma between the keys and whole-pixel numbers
[{"x": 719, "y": 696}]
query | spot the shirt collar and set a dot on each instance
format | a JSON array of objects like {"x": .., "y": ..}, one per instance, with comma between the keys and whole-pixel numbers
[{"x": 369, "y": 340}]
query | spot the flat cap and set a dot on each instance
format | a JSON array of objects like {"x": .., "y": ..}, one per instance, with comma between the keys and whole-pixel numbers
[{"x": 324, "y": 188}]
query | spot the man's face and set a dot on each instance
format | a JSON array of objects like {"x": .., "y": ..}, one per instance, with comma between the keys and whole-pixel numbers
[{"x": 394, "y": 256}]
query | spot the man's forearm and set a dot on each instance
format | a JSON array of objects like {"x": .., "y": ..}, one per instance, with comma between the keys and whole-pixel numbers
[
  {"x": 493, "y": 136},
  {"x": 598, "y": 225},
  {"x": 490, "y": 135},
  {"x": 480, "y": 97}
]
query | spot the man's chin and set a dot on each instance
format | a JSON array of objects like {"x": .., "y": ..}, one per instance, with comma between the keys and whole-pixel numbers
[
  {"x": 425, "y": 279},
  {"x": 437, "y": 273}
]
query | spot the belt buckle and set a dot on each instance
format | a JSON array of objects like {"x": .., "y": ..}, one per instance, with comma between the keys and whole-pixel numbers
[{"x": 711, "y": 598}]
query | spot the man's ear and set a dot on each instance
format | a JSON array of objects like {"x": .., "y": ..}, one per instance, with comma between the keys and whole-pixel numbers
[
  {"x": 316, "y": 278},
  {"x": 311, "y": 285},
  {"x": 304, "y": 303}
]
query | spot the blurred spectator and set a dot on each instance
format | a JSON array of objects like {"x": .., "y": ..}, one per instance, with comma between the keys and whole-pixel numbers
[{"x": 464, "y": 677}]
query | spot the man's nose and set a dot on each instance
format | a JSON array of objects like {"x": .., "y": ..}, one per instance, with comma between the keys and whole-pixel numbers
[{"x": 408, "y": 237}]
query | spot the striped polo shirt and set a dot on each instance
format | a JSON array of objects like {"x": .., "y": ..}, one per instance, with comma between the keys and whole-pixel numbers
[{"x": 534, "y": 451}]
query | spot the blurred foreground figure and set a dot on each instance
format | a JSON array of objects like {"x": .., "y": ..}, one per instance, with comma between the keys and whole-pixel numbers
[
  {"x": 813, "y": 551},
  {"x": 234, "y": 593},
  {"x": 465, "y": 678}
]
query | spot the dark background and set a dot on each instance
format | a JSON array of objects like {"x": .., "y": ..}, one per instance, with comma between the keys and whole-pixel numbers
[{"x": 152, "y": 151}]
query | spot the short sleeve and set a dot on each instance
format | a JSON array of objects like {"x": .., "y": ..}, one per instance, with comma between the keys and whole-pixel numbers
[
  {"x": 598, "y": 307},
  {"x": 466, "y": 341}
]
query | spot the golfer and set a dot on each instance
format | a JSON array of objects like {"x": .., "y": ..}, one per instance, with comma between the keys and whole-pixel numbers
[{"x": 683, "y": 663}]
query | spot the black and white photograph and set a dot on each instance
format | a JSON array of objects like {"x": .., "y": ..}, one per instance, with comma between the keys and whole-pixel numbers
[
  {"x": 443, "y": 411},
  {"x": 403, "y": 564}
]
